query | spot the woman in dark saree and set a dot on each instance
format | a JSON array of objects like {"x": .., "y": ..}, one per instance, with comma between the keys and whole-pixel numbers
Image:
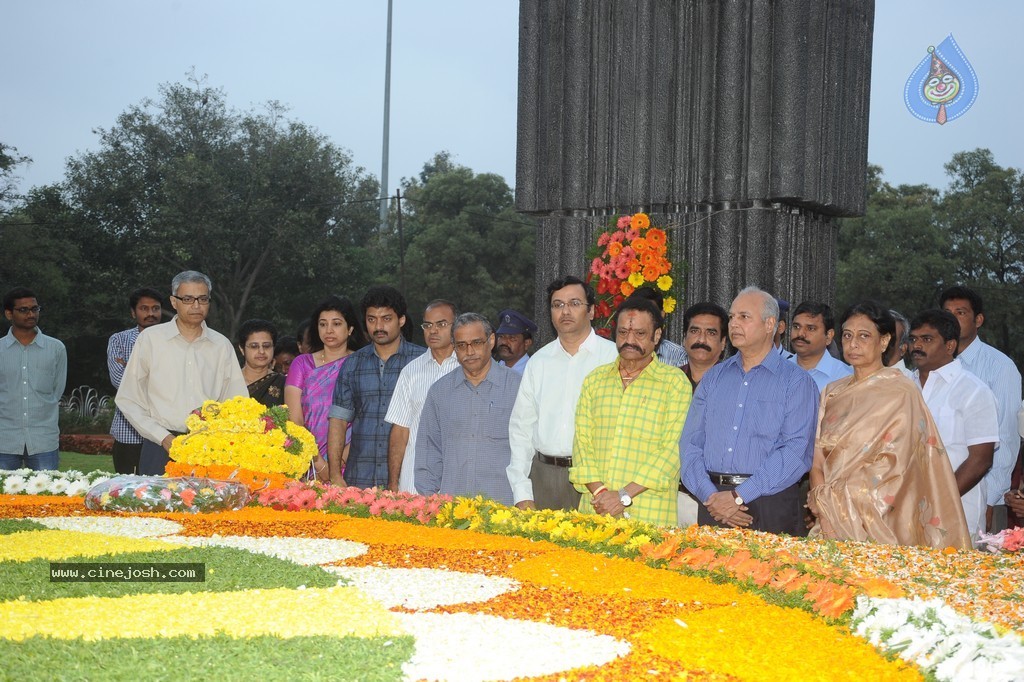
[{"x": 256, "y": 339}]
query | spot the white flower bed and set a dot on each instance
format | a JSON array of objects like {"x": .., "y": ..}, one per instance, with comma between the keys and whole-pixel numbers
[
  {"x": 128, "y": 527},
  {"x": 423, "y": 588},
  {"x": 29, "y": 482},
  {"x": 939, "y": 640},
  {"x": 304, "y": 551}
]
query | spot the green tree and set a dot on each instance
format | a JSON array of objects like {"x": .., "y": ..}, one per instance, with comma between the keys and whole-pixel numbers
[
  {"x": 897, "y": 253},
  {"x": 983, "y": 213},
  {"x": 466, "y": 242},
  {"x": 266, "y": 206},
  {"x": 10, "y": 159}
]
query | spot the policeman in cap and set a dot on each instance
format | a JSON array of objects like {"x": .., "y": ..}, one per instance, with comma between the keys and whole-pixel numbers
[{"x": 515, "y": 338}]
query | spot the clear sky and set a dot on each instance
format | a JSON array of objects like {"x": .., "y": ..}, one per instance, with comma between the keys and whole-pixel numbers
[{"x": 71, "y": 66}]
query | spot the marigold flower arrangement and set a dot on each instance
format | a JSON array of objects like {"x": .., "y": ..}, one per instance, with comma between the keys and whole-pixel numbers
[
  {"x": 242, "y": 434},
  {"x": 628, "y": 256}
]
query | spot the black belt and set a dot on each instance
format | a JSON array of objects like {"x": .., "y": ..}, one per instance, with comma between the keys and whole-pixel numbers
[
  {"x": 727, "y": 479},
  {"x": 556, "y": 461}
]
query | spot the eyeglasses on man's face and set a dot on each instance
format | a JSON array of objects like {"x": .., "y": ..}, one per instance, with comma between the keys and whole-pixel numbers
[
  {"x": 192, "y": 300},
  {"x": 476, "y": 344},
  {"x": 440, "y": 324},
  {"x": 26, "y": 309}
]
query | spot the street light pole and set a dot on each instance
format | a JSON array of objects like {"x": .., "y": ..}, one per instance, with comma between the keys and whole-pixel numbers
[{"x": 387, "y": 121}]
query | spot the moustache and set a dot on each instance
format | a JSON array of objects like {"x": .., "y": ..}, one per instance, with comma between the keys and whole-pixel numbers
[
  {"x": 918, "y": 354},
  {"x": 630, "y": 346},
  {"x": 700, "y": 346},
  {"x": 799, "y": 339},
  {"x": 505, "y": 347}
]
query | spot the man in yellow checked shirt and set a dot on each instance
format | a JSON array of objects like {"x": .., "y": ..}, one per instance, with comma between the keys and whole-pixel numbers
[{"x": 628, "y": 422}]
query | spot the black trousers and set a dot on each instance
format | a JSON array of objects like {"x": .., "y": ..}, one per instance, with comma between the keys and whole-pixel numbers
[
  {"x": 126, "y": 457},
  {"x": 778, "y": 513}
]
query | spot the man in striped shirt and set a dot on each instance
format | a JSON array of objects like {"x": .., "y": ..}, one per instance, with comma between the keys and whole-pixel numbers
[
  {"x": 411, "y": 392},
  {"x": 146, "y": 309}
]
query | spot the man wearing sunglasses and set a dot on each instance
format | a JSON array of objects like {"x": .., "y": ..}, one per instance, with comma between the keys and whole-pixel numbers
[
  {"x": 33, "y": 371},
  {"x": 174, "y": 368}
]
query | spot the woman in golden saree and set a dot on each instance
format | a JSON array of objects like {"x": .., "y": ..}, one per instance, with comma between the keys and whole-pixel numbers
[{"x": 880, "y": 472}]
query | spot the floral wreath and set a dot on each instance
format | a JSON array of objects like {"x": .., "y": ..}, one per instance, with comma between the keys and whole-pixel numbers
[{"x": 629, "y": 255}]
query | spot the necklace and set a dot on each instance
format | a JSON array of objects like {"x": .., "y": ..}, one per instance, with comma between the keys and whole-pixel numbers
[{"x": 628, "y": 377}]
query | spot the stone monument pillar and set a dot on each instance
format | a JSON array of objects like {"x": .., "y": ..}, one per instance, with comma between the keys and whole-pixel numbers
[{"x": 740, "y": 126}]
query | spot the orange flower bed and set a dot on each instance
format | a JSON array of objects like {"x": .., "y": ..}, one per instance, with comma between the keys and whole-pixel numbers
[{"x": 254, "y": 480}]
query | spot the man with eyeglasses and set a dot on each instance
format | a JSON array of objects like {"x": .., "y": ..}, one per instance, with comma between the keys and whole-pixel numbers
[
  {"x": 462, "y": 446},
  {"x": 411, "y": 392},
  {"x": 174, "y": 368},
  {"x": 542, "y": 425},
  {"x": 628, "y": 422},
  {"x": 33, "y": 371},
  {"x": 146, "y": 310}
]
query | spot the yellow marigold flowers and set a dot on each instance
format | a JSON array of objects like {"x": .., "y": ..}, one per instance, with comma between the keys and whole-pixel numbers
[
  {"x": 248, "y": 613},
  {"x": 243, "y": 433},
  {"x": 669, "y": 304},
  {"x": 55, "y": 545},
  {"x": 636, "y": 278},
  {"x": 665, "y": 282}
]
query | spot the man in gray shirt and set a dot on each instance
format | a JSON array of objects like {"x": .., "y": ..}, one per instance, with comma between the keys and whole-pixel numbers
[{"x": 462, "y": 447}]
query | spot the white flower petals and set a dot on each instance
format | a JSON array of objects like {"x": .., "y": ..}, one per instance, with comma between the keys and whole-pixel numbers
[
  {"x": 423, "y": 588},
  {"x": 465, "y": 647},
  {"x": 122, "y": 526},
  {"x": 304, "y": 551}
]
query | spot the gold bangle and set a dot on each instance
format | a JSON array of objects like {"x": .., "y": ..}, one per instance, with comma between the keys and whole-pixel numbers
[{"x": 600, "y": 489}]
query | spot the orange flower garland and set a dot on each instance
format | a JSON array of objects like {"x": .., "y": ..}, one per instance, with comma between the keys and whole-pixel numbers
[{"x": 254, "y": 480}]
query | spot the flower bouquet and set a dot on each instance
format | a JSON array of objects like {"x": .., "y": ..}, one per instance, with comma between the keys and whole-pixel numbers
[
  {"x": 159, "y": 494},
  {"x": 1008, "y": 541},
  {"x": 243, "y": 440},
  {"x": 629, "y": 255}
]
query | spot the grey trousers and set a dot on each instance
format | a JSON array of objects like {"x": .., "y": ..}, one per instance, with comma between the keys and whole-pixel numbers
[{"x": 551, "y": 487}]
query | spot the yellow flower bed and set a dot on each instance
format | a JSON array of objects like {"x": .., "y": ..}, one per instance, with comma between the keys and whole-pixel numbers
[
  {"x": 345, "y": 611},
  {"x": 55, "y": 545}
]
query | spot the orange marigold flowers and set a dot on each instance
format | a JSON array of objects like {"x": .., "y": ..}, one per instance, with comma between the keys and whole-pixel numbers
[
  {"x": 626, "y": 288},
  {"x": 614, "y": 249},
  {"x": 656, "y": 237}
]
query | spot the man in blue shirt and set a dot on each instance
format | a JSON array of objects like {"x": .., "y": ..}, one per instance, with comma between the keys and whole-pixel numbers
[
  {"x": 33, "y": 371},
  {"x": 811, "y": 333},
  {"x": 361, "y": 396},
  {"x": 749, "y": 435}
]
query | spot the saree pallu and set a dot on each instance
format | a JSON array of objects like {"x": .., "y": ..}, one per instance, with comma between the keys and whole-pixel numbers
[
  {"x": 269, "y": 390},
  {"x": 887, "y": 476}
]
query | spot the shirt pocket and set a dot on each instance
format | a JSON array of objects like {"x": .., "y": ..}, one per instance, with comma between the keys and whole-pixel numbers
[
  {"x": 42, "y": 376},
  {"x": 766, "y": 418}
]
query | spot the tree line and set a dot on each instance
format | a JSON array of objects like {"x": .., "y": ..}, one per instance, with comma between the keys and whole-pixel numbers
[{"x": 279, "y": 216}]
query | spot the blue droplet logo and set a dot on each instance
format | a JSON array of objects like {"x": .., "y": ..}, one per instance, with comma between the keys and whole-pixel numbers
[{"x": 943, "y": 86}]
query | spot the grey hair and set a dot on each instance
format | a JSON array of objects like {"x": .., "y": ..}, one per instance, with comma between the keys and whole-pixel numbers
[
  {"x": 441, "y": 302},
  {"x": 469, "y": 318},
  {"x": 770, "y": 307},
  {"x": 900, "y": 319},
  {"x": 190, "y": 276}
]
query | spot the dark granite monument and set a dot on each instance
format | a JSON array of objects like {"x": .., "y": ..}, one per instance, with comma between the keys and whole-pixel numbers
[{"x": 740, "y": 126}]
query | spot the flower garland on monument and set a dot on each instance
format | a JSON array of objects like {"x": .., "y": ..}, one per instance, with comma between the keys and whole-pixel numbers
[{"x": 631, "y": 254}]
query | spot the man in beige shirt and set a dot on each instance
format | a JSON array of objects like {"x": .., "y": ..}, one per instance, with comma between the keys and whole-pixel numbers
[{"x": 175, "y": 367}]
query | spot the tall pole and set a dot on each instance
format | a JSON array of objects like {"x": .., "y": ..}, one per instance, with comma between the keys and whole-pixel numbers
[
  {"x": 401, "y": 242},
  {"x": 387, "y": 123}
]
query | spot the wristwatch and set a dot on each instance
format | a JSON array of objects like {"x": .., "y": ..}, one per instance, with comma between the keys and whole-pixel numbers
[
  {"x": 625, "y": 499},
  {"x": 736, "y": 497}
]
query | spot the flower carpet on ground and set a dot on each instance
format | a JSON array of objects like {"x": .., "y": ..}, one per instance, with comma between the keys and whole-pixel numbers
[{"x": 467, "y": 589}]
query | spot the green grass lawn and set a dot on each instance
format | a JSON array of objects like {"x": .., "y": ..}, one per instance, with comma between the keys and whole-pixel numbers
[{"x": 85, "y": 463}]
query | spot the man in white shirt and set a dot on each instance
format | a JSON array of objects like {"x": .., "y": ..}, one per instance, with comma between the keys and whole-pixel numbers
[
  {"x": 812, "y": 332},
  {"x": 1002, "y": 376},
  {"x": 174, "y": 368},
  {"x": 963, "y": 408},
  {"x": 542, "y": 425},
  {"x": 411, "y": 392}
]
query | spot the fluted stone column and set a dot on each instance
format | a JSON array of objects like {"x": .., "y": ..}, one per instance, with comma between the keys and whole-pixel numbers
[{"x": 740, "y": 125}]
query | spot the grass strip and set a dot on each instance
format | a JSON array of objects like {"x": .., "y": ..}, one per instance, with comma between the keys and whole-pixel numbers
[
  {"x": 227, "y": 569},
  {"x": 372, "y": 659},
  {"x": 10, "y": 526}
]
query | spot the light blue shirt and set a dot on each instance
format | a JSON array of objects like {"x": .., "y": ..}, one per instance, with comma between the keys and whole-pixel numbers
[
  {"x": 671, "y": 353},
  {"x": 760, "y": 423},
  {"x": 32, "y": 380},
  {"x": 1002, "y": 376},
  {"x": 827, "y": 370}
]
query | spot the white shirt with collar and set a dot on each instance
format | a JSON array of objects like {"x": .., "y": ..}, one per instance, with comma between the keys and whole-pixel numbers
[
  {"x": 1002, "y": 376},
  {"x": 544, "y": 416},
  {"x": 168, "y": 376},
  {"x": 964, "y": 409},
  {"x": 407, "y": 404},
  {"x": 827, "y": 370}
]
